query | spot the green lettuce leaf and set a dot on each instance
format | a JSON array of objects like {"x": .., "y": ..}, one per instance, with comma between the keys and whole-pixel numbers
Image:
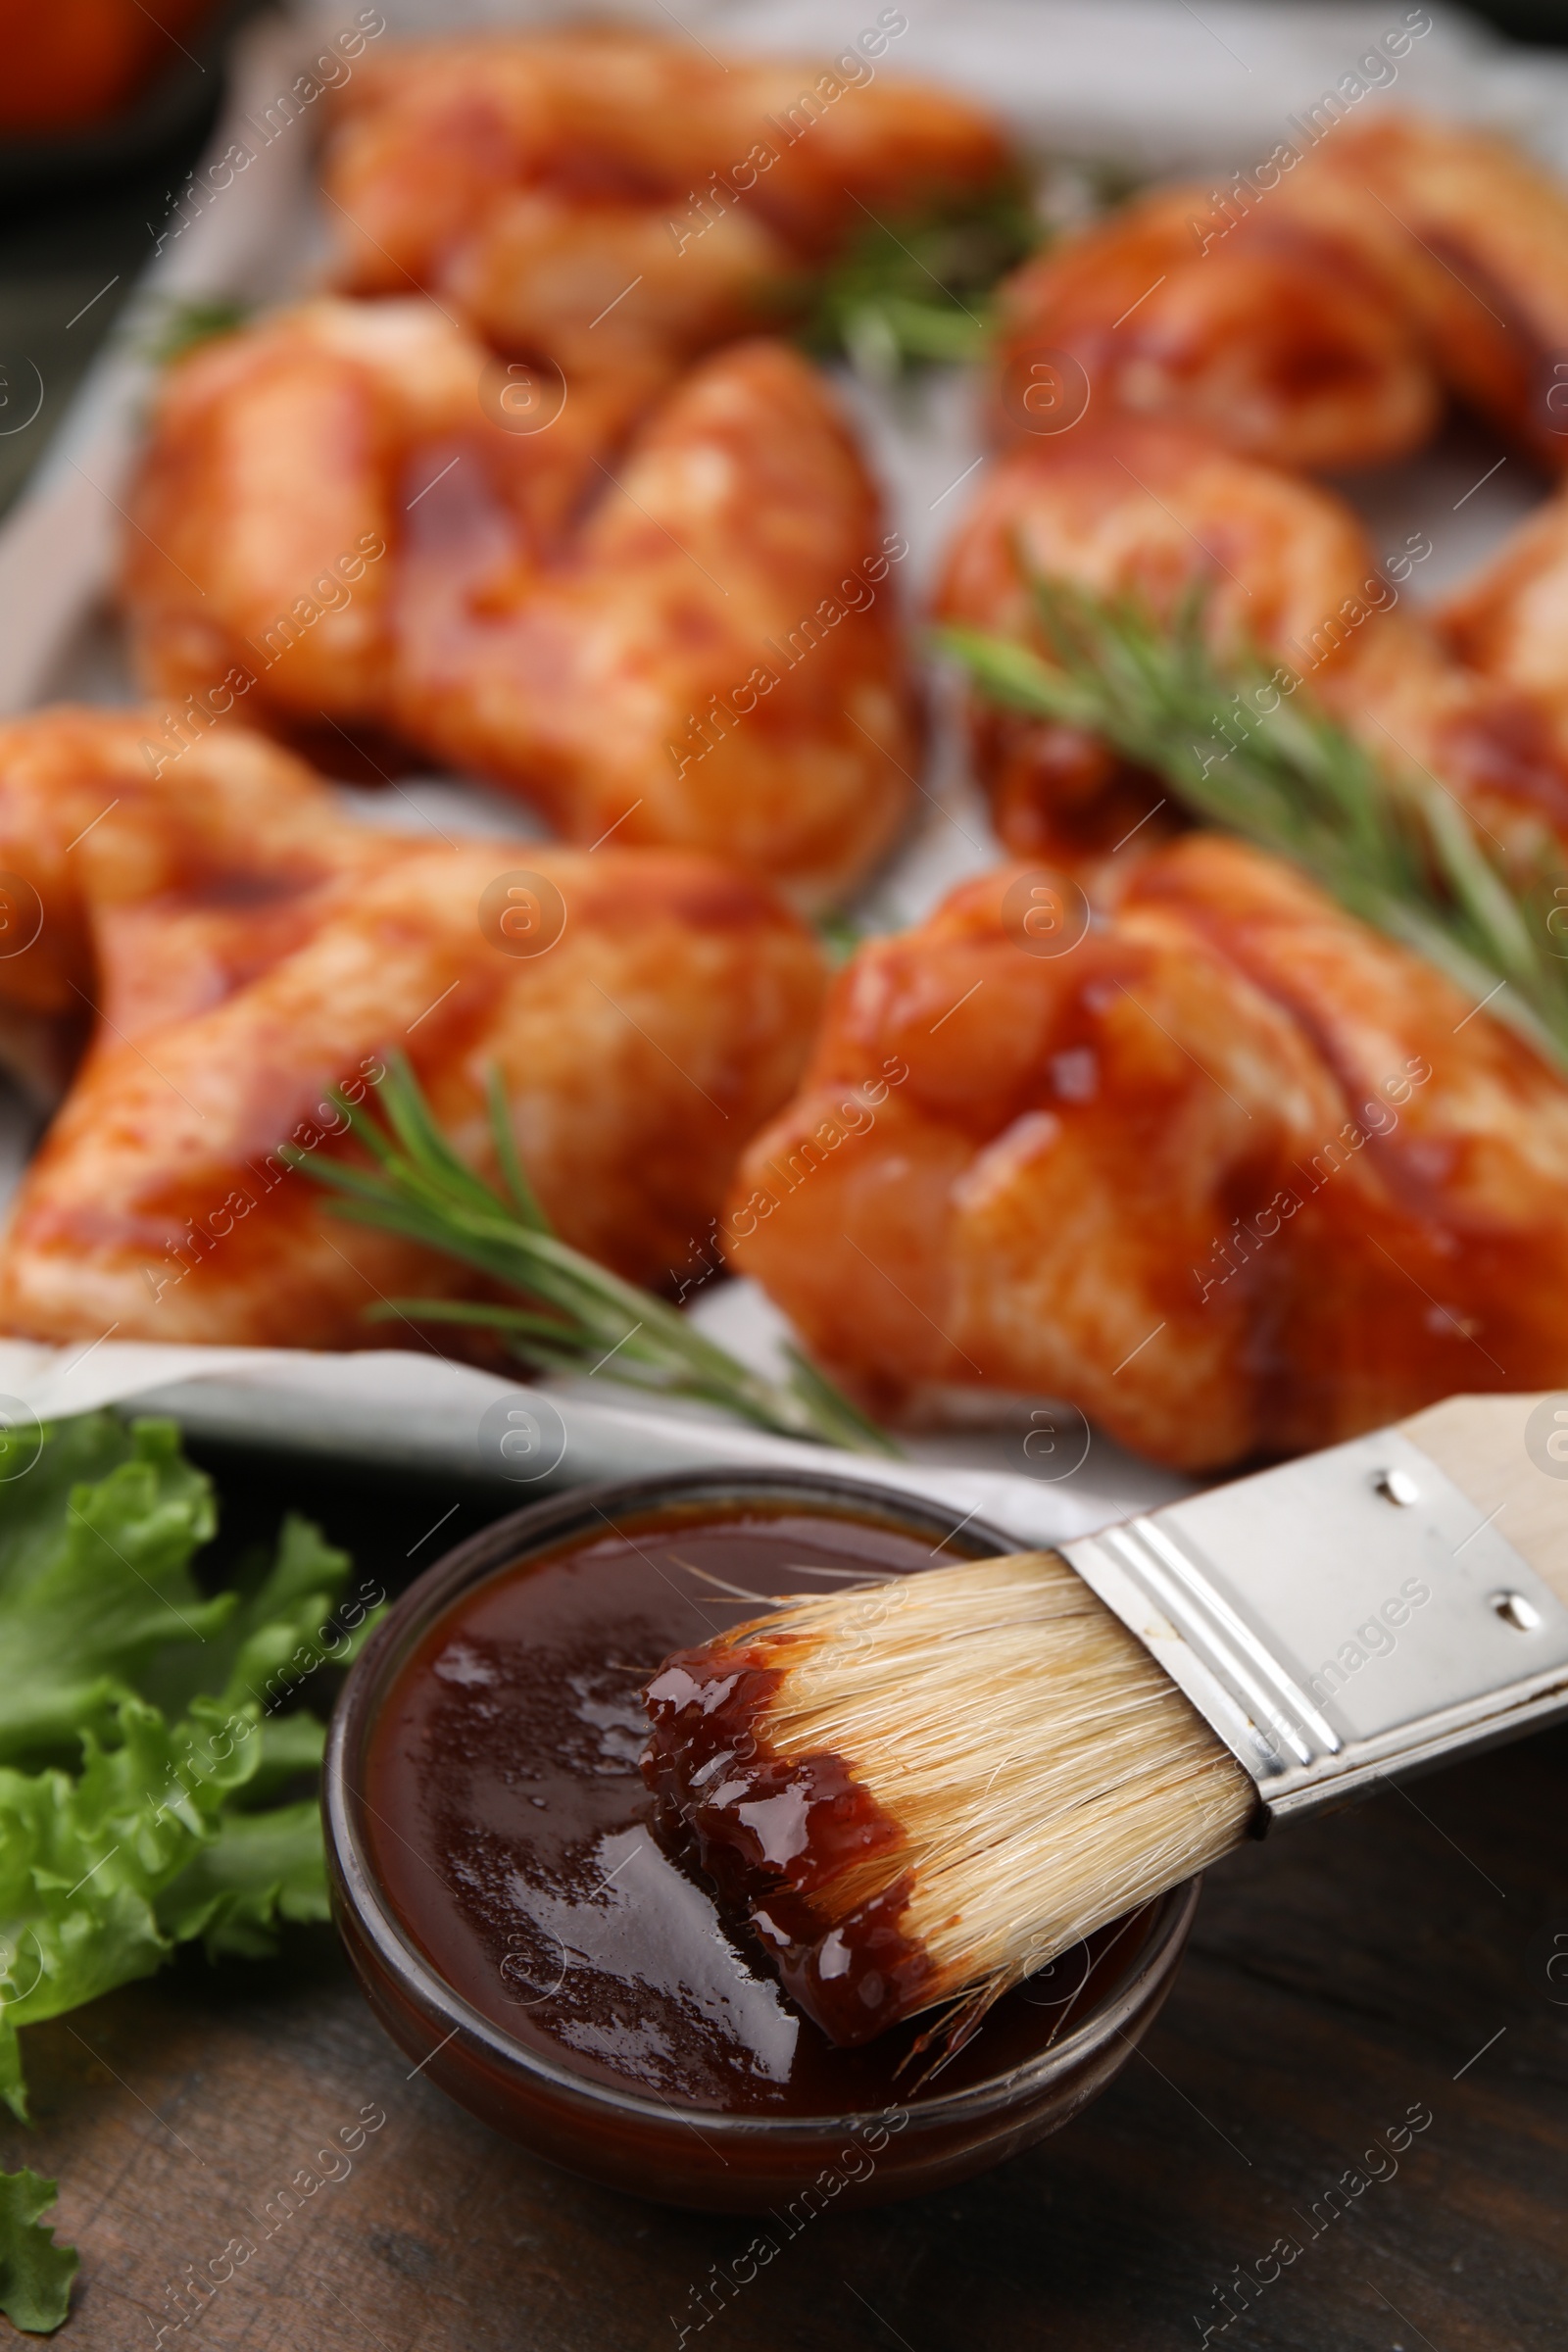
[
  {"x": 179, "y": 1715},
  {"x": 96, "y": 1539},
  {"x": 35, "y": 2273},
  {"x": 84, "y": 1855},
  {"x": 260, "y": 1869}
]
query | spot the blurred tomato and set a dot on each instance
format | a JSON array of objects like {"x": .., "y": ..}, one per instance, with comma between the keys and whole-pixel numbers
[{"x": 75, "y": 62}]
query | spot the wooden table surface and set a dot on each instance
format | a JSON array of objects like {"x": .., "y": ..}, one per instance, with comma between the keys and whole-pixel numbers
[{"x": 1339, "y": 1977}]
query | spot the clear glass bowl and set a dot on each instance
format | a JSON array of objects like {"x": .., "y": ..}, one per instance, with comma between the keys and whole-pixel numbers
[{"x": 635, "y": 2141}]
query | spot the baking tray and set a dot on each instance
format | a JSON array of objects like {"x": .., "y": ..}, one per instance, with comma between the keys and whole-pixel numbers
[{"x": 1143, "y": 85}]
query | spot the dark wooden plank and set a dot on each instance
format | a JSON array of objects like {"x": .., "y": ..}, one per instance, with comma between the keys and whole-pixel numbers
[{"x": 1339, "y": 1974}]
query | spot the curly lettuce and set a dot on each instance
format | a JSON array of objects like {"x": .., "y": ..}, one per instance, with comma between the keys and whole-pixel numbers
[
  {"x": 152, "y": 1750},
  {"x": 35, "y": 2273}
]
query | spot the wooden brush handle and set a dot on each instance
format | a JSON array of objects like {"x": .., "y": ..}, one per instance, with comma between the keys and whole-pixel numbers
[{"x": 1497, "y": 1449}]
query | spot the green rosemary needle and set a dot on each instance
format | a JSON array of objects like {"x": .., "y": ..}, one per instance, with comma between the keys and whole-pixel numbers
[
  {"x": 1274, "y": 768},
  {"x": 579, "y": 1316},
  {"x": 182, "y": 325},
  {"x": 918, "y": 289}
]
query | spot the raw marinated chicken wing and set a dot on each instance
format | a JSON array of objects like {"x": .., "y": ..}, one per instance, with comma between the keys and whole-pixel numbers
[
  {"x": 1472, "y": 236},
  {"x": 606, "y": 198},
  {"x": 229, "y": 838},
  {"x": 716, "y": 662},
  {"x": 338, "y": 531},
  {"x": 258, "y": 575},
  {"x": 254, "y": 953},
  {"x": 1233, "y": 1174},
  {"x": 1315, "y": 312},
  {"x": 1282, "y": 341},
  {"x": 1511, "y": 621},
  {"x": 1286, "y": 566}
]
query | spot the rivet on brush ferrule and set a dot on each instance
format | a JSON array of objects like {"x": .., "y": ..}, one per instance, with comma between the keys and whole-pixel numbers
[{"x": 1330, "y": 1640}]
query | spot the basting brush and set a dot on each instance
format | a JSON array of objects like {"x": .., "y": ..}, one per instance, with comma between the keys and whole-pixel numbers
[{"x": 922, "y": 1791}]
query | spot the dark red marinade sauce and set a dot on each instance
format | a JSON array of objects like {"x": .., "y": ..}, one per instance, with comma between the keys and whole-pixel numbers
[
  {"x": 511, "y": 1826},
  {"x": 769, "y": 1831}
]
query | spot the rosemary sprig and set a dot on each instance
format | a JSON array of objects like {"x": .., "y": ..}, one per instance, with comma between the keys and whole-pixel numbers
[
  {"x": 183, "y": 324},
  {"x": 918, "y": 289},
  {"x": 1269, "y": 763},
  {"x": 838, "y": 935},
  {"x": 580, "y": 1317}
]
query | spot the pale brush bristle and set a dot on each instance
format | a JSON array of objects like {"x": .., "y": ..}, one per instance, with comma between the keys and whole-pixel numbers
[{"x": 1047, "y": 1775}]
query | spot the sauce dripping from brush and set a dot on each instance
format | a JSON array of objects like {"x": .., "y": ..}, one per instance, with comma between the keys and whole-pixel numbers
[
  {"x": 511, "y": 1826},
  {"x": 769, "y": 1831}
]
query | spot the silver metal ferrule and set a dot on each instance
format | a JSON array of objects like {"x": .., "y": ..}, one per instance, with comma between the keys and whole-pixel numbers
[{"x": 1341, "y": 1617}]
